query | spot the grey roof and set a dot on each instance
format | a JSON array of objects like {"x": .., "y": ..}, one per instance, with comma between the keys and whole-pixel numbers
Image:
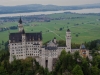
[
  {"x": 82, "y": 46},
  {"x": 17, "y": 37},
  {"x": 51, "y": 48},
  {"x": 33, "y": 36},
  {"x": 52, "y": 41}
]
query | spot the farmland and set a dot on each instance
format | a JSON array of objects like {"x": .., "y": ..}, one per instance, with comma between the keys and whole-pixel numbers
[{"x": 84, "y": 27}]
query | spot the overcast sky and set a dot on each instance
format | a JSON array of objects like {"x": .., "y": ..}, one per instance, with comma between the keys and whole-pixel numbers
[{"x": 45, "y": 2}]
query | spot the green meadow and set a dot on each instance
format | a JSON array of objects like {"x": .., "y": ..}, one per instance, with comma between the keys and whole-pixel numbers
[{"x": 82, "y": 29}]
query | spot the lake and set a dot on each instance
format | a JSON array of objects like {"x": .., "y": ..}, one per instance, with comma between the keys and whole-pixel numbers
[{"x": 94, "y": 10}]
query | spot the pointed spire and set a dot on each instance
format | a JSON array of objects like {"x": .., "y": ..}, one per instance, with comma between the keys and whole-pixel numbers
[
  {"x": 23, "y": 32},
  {"x": 68, "y": 30},
  {"x": 20, "y": 21}
]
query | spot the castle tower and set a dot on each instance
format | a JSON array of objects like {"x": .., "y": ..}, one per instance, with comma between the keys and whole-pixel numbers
[
  {"x": 24, "y": 44},
  {"x": 68, "y": 40},
  {"x": 20, "y": 26}
]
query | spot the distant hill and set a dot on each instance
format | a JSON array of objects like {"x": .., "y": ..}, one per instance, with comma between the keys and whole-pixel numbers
[
  {"x": 39, "y": 7},
  {"x": 96, "y": 5}
]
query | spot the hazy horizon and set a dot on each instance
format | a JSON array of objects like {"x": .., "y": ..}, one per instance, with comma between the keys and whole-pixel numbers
[{"x": 46, "y": 2}]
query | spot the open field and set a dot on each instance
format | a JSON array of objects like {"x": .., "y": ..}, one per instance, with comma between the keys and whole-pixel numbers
[{"x": 86, "y": 28}]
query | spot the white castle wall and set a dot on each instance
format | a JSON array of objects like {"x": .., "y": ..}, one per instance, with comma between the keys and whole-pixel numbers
[{"x": 24, "y": 49}]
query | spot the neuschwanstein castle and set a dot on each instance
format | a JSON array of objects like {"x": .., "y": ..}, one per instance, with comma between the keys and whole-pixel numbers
[{"x": 23, "y": 45}]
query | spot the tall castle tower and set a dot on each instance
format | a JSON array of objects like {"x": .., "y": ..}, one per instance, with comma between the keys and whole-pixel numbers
[
  {"x": 20, "y": 26},
  {"x": 68, "y": 40}
]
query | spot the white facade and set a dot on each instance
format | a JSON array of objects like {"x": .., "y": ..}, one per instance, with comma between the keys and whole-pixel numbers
[{"x": 24, "y": 49}]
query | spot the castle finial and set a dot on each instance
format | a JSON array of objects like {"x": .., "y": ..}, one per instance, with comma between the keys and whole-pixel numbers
[
  {"x": 20, "y": 21},
  {"x": 68, "y": 30},
  {"x": 54, "y": 37}
]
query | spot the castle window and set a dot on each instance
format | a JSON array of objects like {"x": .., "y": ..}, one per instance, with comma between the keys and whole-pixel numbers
[
  {"x": 35, "y": 48},
  {"x": 34, "y": 42}
]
